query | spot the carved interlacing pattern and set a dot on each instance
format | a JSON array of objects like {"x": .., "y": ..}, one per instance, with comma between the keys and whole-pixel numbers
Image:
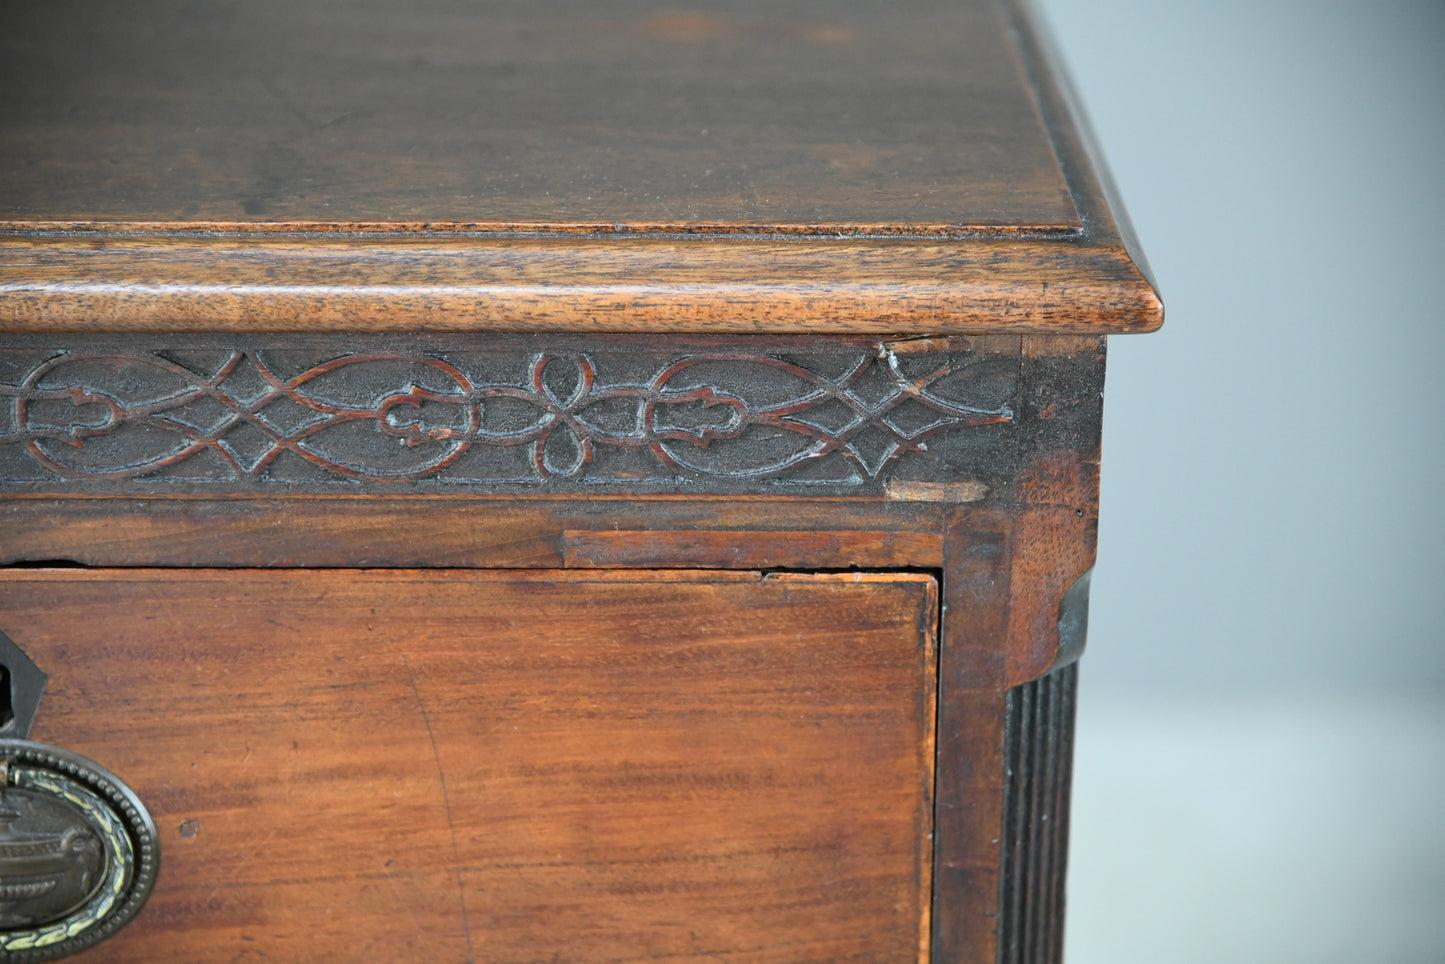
[{"x": 409, "y": 416}]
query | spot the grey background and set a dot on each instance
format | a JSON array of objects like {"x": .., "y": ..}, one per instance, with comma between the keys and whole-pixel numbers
[{"x": 1261, "y": 746}]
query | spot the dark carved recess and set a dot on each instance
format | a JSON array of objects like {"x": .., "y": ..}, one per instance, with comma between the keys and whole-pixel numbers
[
  {"x": 1038, "y": 754},
  {"x": 490, "y": 412}
]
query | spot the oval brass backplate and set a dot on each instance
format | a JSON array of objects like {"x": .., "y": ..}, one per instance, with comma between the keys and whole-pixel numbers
[{"x": 78, "y": 852}]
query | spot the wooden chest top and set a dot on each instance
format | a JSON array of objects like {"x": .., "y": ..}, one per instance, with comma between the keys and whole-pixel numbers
[
  {"x": 742, "y": 166},
  {"x": 619, "y": 115}
]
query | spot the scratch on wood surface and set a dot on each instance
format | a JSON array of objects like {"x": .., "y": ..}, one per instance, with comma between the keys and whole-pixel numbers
[
  {"x": 935, "y": 491},
  {"x": 921, "y": 343},
  {"x": 446, "y": 802}
]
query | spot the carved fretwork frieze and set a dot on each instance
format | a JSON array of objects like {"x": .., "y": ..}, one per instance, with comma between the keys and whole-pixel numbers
[{"x": 494, "y": 412}]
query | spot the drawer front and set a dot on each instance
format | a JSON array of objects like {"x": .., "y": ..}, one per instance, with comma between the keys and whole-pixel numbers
[{"x": 505, "y": 766}]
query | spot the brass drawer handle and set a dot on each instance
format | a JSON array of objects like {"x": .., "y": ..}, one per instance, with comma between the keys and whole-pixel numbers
[{"x": 78, "y": 850}]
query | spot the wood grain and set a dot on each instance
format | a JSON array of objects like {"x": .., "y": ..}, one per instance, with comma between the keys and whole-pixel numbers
[
  {"x": 1095, "y": 193},
  {"x": 595, "y": 764},
  {"x": 588, "y": 284},
  {"x": 442, "y": 532},
  {"x": 914, "y": 169},
  {"x": 505, "y": 766},
  {"x": 733, "y": 549},
  {"x": 608, "y": 115},
  {"x": 1056, "y": 526},
  {"x": 970, "y": 815}
]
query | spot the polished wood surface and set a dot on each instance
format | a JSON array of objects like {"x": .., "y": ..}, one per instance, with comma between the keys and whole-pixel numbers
[
  {"x": 615, "y": 284},
  {"x": 483, "y": 533},
  {"x": 487, "y": 353},
  {"x": 1033, "y": 479},
  {"x": 506, "y": 766},
  {"x": 605, "y": 115},
  {"x": 1007, "y": 519},
  {"x": 908, "y": 168}
]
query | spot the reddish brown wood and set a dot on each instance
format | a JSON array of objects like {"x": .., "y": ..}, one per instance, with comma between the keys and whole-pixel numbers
[
  {"x": 1073, "y": 138},
  {"x": 1007, "y": 558},
  {"x": 908, "y": 170},
  {"x": 755, "y": 285},
  {"x": 703, "y": 764},
  {"x": 506, "y": 766},
  {"x": 973, "y": 648},
  {"x": 1056, "y": 527},
  {"x": 610, "y": 115},
  {"x": 496, "y": 532},
  {"x": 740, "y": 550}
]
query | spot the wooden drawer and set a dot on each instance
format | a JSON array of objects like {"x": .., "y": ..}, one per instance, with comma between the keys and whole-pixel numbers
[{"x": 409, "y": 765}]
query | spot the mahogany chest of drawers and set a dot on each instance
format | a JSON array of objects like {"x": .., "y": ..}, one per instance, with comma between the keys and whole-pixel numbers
[{"x": 544, "y": 482}]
